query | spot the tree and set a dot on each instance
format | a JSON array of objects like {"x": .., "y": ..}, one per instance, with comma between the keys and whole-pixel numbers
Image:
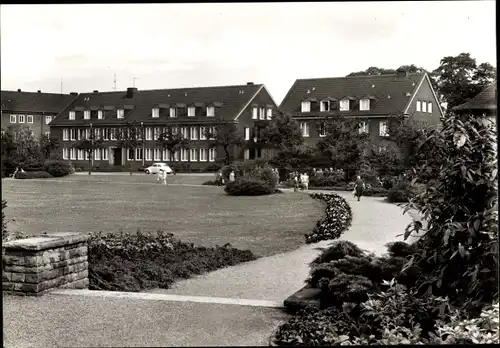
[
  {"x": 226, "y": 135},
  {"x": 19, "y": 148},
  {"x": 89, "y": 145},
  {"x": 373, "y": 70},
  {"x": 129, "y": 137},
  {"x": 343, "y": 144},
  {"x": 293, "y": 158},
  {"x": 173, "y": 141},
  {"x": 282, "y": 132},
  {"x": 459, "y": 78},
  {"x": 48, "y": 146}
]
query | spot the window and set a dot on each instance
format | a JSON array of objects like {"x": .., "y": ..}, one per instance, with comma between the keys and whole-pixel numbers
[
  {"x": 81, "y": 154},
  {"x": 13, "y": 118},
  {"x": 210, "y": 111},
  {"x": 194, "y": 133},
  {"x": 73, "y": 134},
  {"x": 155, "y": 113},
  {"x": 149, "y": 133},
  {"x": 269, "y": 113},
  {"x": 130, "y": 154},
  {"x": 156, "y": 133},
  {"x": 418, "y": 105},
  {"x": 424, "y": 106},
  {"x": 184, "y": 155},
  {"x": 65, "y": 153},
  {"x": 104, "y": 154},
  {"x": 21, "y": 118},
  {"x": 87, "y": 134},
  {"x": 157, "y": 154},
  {"x": 322, "y": 130},
  {"x": 247, "y": 133},
  {"x": 65, "y": 134},
  {"x": 185, "y": 132},
  {"x": 344, "y": 105},
  {"x": 47, "y": 134},
  {"x": 72, "y": 115},
  {"x": 176, "y": 156},
  {"x": 138, "y": 154},
  {"x": 246, "y": 154},
  {"x": 383, "y": 132},
  {"x": 97, "y": 132},
  {"x": 203, "y": 133},
  {"x": 305, "y": 106},
  {"x": 254, "y": 113},
  {"x": 120, "y": 113},
  {"x": 203, "y": 155},
  {"x": 363, "y": 127},
  {"x": 112, "y": 133},
  {"x": 48, "y": 119},
  {"x": 148, "y": 154},
  {"x": 86, "y": 115},
  {"x": 211, "y": 154},
  {"x": 262, "y": 114},
  {"x": 105, "y": 134},
  {"x": 173, "y": 112},
  {"x": 97, "y": 154},
  {"x": 194, "y": 155},
  {"x": 72, "y": 153},
  {"x": 29, "y": 119},
  {"x": 364, "y": 104},
  {"x": 191, "y": 111},
  {"x": 304, "y": 127},
  {"x": 429, "y": 107},
  {"x": 324, "y": 105},
  {"x": 166, "y": 155},
  {"x": 100, "y": 114}
]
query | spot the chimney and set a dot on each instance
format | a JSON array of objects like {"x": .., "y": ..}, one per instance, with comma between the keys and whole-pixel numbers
[
  {"x": 131, "y": 92},
  {"x": 96, "y": 91},
  {"x": 402, "y": 73},
  {"x": 73, "y": 93},
  {"x": 249, "y": 83},
  {"x": 19, "y": 90},
  {"x": 39, "y": 91}
]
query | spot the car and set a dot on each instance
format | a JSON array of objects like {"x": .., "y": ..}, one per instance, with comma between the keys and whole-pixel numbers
[{"x": 156, "y": 167}]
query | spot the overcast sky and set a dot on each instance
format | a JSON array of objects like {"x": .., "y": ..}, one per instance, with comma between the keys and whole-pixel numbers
[{"x": 185, "y": 45}]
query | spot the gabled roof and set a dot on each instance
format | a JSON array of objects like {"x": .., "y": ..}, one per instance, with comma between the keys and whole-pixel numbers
[
  {"x": 485, "y": 100},
  {"x": 15, "y": 101},
  {"x": 389, "y": 91},
  {"x": 229, "y": 101}
]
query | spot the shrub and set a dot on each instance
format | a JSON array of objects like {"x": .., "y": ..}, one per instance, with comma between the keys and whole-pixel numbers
[
  {"x": 58, "y": 168},
  {"x": 33, "y": 175},
  {"x": 287, "y": 184},
  {"x": 128, "y": 262},
  {"x": 338, "y": 250},
  {"x": 324, "y": 181},
  {"x": 402, "y": 192},
  {"x": 213, "y": 167},
  {"x": 265, "y": 174},
  {"x": 210, "y": 183},
  {"x": 5, "y": 232},
  {"x": 375, "y": 192},
  {"x": 338, "y": 218},
  {"x": 248, "y": 187}
]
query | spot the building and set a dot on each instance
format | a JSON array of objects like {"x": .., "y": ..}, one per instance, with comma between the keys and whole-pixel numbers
[
  {"x": 34, "y": 109},
  {"x": 483, "y": 104},
  {"x": 372, "y": 99},
  {"x": 185, "y": 110}
]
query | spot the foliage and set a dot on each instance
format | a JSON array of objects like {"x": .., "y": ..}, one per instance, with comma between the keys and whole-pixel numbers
[
  {"x": 129, "y": 136},
  {"x": 338, "y": 218},
  {"x": 48, "y": 146},
  {"x": 90, "y": 144},
  {"x": 325, "y": 181},
  {"x": 338, "y": 250},
  {"x": 173, "y": 141},
  {"x": 57, "y": 168},
  {"x": 401, "y": 192},
  {"x": 375, "y": 192},
  {"x": 248, "y": 187},
  {"x": 459, "y": 255},
  {"x": 282, "y": 132},
  {"x": 5, "y": 232},
  {"x": 294, "y": 158},
  {"x": 33, "y": 175},
  {"x": 225, "y": 135},
  {"x": 19, "y": 148},
  {"x": 130, "y": 262}
]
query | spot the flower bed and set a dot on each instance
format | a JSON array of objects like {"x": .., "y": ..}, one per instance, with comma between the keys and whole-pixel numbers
[
  {"x": 338, "y": 218},
  {"x": 128, "y": 262}
]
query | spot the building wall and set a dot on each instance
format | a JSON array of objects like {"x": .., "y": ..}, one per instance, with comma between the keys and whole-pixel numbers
[
  {"x": 424, "y": 94},
  {"x": 38, "y": 127}
]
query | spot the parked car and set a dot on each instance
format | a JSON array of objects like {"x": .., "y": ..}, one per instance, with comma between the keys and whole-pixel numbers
[{"x": 155, "y": 168}]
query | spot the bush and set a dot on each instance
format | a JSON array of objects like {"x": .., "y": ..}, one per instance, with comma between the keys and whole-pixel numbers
[
  {"x": 127, "y": 262},
  {"x": 213, "y": 167},
  {"x": 324, "y": 181},
  {"x": 248, "y": 187},
  {"x": 58, "y": 168},
  {"x": 338, "y": 250},
  {"x": 375, "y": 192},
  {"x": 402, "y": 192},
  {"x": 5, "y": 232},
  {"x": 338, "y": 218},
  {"x": 33, "y": 175}
]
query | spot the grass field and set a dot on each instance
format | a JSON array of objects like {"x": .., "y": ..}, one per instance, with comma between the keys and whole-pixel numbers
[{"x": 203, "y": 215}]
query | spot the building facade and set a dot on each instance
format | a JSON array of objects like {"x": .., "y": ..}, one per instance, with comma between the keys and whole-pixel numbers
[
  {"x": 483, "y": 104},
  {"x": 371, "y": 99},
  {"x": 33, "y": 109},
  {"x": 189, "y": 111}
]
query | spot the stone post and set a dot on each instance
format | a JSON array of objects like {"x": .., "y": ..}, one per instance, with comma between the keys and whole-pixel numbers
[{"x": 53, "y": 260}]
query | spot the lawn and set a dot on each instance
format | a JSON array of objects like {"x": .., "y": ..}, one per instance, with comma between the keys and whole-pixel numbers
[{"x": 203, "y": 215}]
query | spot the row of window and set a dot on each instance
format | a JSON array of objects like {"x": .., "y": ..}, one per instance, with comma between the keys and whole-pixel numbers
[
  {"x": 363, "y": 128},
  {"x": 423, "y": 106},
  {"x": 27, "y": 119},
  {"x": 184, "y": 155},
  {"x": 120, "y": 113},
  {"x": 261, "y": 113},
  {"x": 344, "y": 105}
]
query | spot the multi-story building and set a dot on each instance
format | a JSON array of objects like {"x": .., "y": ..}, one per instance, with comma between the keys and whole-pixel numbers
[
  {"x": 34, "y": 109},
  {"x": 186, "y": 110},
  {"x": 372, "y": 99},
  {"x": 483, "y": 104}
]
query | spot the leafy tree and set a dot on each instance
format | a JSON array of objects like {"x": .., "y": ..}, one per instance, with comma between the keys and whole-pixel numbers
[
  {"x": 89, "y": 145},
  {"x": 48, "y": 146},
  {"x": 226, "y": 135},
  {"x": 19, "y": 148},
  {"x": 282, "y": 132},
  {"x": 129, "y": 137},
  {"x": 297, "y": 157},
  {"x": 373, "y": 70},
  {"x": 172, "y": 141},
  {"x": 343, "y": 144}
]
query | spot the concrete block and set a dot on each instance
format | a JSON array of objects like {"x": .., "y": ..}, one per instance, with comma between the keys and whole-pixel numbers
[{"x": 18, "y": 277}]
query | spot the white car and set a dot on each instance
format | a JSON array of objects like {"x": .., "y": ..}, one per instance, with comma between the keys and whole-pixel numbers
[{"x": 155, "y": 168}]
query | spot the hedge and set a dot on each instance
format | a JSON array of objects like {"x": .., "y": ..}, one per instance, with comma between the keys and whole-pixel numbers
[
  {"x": 33, "y": 175},
  {"x": 248, "y": 187}
]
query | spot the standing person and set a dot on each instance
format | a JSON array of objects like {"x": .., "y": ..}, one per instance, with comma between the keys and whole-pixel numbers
[
  {"x": 159, "y": 176},
  {"x": 164, "y": 177},
  {"x": 231, "y": 176},
  {"x": 306, "y": 181},
  {"x": 277, "y": 174},
  {"x": 218, "y": 176},
  {"x": 15, "y": 172},
  {"x": 359, "y": 187},
  {"x": 295, "y": 182}
]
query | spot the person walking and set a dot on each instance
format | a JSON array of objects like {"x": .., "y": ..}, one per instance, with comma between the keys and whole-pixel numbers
[
  {"x": 295, "y": 182},
  {"x": 305, "y": 181},
  {"x": 164, "y": 177},
  {"x": 359, "y": 187},
  {"x": 159, "y": 176},
  {"x": 231, "y": 176}
]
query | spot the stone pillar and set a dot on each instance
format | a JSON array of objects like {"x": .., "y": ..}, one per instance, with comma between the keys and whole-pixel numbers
[{"x": 53, "y": 260}]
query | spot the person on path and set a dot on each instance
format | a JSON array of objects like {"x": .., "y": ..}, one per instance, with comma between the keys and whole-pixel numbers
[
  {"x": 159, "y": 176},
  {"x": 218, "y": 176},
  {"x": 231, "y": 176},
  {"x": 305, "y": 181},
  {"x": 295, "y": 182},
  {"x": 164, "y": 177},
  {"x": 359, "y": 187}
]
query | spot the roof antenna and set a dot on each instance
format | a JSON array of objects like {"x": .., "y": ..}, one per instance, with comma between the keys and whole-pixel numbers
[
  {"x": 61, "y": 85},
  {"x": 114, "y": 83},
  {"x": 135, "y": 78}
]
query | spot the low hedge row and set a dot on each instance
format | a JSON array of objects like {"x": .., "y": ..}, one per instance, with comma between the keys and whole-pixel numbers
[
  {"x": 338, "y": 218},
  {"x": 248, "y": 187},
  {"x": 33, "y": 175},
  {"x": 127, "y": 262}
]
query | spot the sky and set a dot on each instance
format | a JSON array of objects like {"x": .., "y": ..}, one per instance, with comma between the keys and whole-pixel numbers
[{"x": 189, "y": 45}]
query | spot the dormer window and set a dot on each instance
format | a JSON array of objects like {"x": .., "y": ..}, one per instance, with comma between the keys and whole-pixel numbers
[
  {"x": 100, "y": 114},
  {"x": 86, "y": 114},
  {"x": 344, "y": 105},
  {"x": 255, "y": 113},
  {"x": 305, "y": 106},
  {"x": 155, "y": 113},
  {"x": 72, "y": 115},
  {"x": 269, "y": 113},
  {"x": 120, "y": 113},
  {"x": 364, "y": 104},
  {"x": 210, "y": 111},
  {"x": 191, "y": 111},
  {"x": 363, "y": 127},
  {"x": 324, "y": 105},
  {"x": 173, "y": 112}
]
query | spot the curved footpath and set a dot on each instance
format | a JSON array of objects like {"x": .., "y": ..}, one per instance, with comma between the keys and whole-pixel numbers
[{"x": 237, "y": 316}]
